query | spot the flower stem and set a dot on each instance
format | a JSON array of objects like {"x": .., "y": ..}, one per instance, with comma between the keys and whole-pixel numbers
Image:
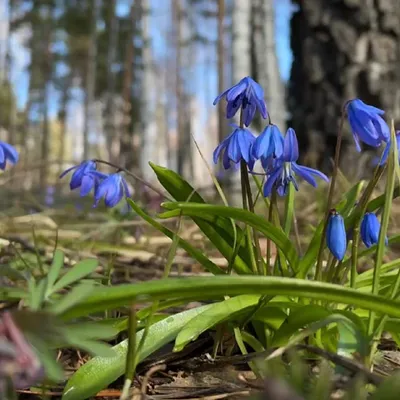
[
  {"x": 356, "y": 230},
  {"x": 390, "y": 183},
  {"x": 272, "y": 204},
  {"x": 260, "y": 264},
  {"x": 250, "y": 248},
  {"x": 318, "y": 271}
]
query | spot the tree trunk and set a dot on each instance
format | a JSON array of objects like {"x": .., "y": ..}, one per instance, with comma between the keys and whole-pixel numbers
[
  {"x": 113, "y": 135},
  {"x": 46, "y": 80},
  {"x": 148, "y": 99},
  {"x": 62, "y": 117},
  {"x": 182, "y": 150},
  {"x": 221, "y": 72},
  {"x": 342, "y": 49},
  {"x": 241, "y": 40},
  {"x": 265, "y": 65},
  {"x": 241, "y": 67},
  {"x": 129, "y": 144},
  {"x": 90, "y": 76}
]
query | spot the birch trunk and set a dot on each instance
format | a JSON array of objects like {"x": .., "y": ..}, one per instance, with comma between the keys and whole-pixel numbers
[
  {"x": 90, "y": 77},
  {"x": 267, "y": 68}
]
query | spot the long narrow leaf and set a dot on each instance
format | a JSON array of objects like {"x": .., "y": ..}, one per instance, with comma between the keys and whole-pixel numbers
[
  {"x": 196, "y": 254},
  {"x": 218, "y": 230},
  {"x": 255, "y": 221},
  {"x": 104, "y": 298},
  {"x": 77, "y": 272},
  {"x": 99, "y": 372}
]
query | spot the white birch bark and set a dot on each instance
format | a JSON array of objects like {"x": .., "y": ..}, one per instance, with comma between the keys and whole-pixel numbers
[{"x": 272, "y": 82}]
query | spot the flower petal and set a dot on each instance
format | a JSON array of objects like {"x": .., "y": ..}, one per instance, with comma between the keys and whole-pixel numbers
[
  {"x": 271, "y": 180},
  {"x": 291, "y": 147},
  {"x": 10, "y": 152},
  {"x": 307, "y": 174},
  {"x": 336, "y": 239}
]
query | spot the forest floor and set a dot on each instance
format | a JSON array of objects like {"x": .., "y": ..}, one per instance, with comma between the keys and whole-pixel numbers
[{"x": 137, "y": 253}]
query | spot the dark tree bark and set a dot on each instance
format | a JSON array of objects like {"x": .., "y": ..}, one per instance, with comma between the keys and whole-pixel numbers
[{"x": 342, "y": 49}]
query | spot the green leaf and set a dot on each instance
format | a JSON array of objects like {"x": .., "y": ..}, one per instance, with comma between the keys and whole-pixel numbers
[
  {"x": 222, "y": 311},
  {"x": 99, "y": 372},
  {"x": 12, "y": 273},
  {"x": 272, "y": 316},
  {"x": 94, "y": 348},
  {"x": 12, "y": 293},
  {"x": 76, "y": 295},
  {"x": 54, "y": 271},
  {"x": 289, "y": 209},
  {"x": 218, "y": 230},
  {"x": 196, "y": 254},
  {"x": 298, "y": 319},
  {"x": 37, "y": 293},
  {"x": 77, "y": 272},
  {"x": 389, "y": 389},
  {"x": 351, "y": 341},
  {"x": 395, "y": 239},
  {"x": 255, "y": 221},
  {"x": 216, "y": 287},
  {"x": 94, "y": 330}
]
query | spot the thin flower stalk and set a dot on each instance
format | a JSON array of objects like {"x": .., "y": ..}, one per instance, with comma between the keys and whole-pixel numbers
[{"x": 318, "y": 270}]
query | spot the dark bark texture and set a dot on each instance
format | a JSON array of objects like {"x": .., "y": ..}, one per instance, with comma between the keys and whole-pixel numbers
[{"x": 342, "y": 49}]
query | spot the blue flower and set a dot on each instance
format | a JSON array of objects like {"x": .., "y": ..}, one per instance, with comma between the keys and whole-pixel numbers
[
  {"x": 236, "y": 147},
  {"x": 82, "y": 177},
  {"x": 248, "y": 95},
  {"x": 7, "y": 153},
  {"x": 387, "y": 148},
  {"x": 370, "y": 228},
  {"x": 367, "y": 124},
  {"x": 336, "y": 235},
  {"x": 113, "y": 188},
  {"x": 268, "y": 144},
  {"x": 281, "y": 170}
]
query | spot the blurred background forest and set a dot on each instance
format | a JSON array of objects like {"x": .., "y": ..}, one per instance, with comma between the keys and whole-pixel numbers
[{"x": 133, "y": 80}]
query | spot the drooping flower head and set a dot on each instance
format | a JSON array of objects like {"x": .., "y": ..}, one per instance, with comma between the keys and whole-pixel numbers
[
  {"x": 385, "y": 154},
  {"x": 112, "y": 187},
  {"x": 336, "y": 235},
  {"x": 269, "y": 144},
  {"x": 7, "y": 153},
  {"x": 370, "y": 228},
  {"x": 247, "y": 95},
  {"x": 366, "y": 124},
  {"x": 82, "y": 177},
  {"x": 282, "y": 170},
  {"x": 235, "y": 147}
]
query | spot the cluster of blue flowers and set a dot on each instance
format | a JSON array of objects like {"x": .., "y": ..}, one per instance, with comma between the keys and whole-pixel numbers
[
  {"x": 278, "y": 154},
  {"x": 112, "y": 187}
]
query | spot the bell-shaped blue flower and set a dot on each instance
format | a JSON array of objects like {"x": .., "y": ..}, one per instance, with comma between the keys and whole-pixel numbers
[
  {"x": 336, "y": 235},
  {"x": 7, "y": 153},
  {"x": 281, "y": 171},
  {"x": 268, "y": 144},
  {"x": 113, "y": 188},
  {"x": 235, "y": 147},
  {"x": 366, "y": 124},
  {"x": 370, "y": 228},
  {"x": 385, "y": 154},
  {"x": 247, "y": 95},
  {"x": 82, "y": 177}
]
